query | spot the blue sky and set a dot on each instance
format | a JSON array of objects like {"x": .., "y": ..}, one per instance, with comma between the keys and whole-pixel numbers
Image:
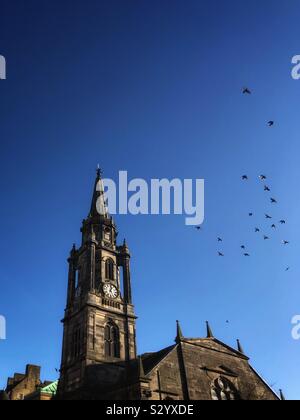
[{"x": 154, "y": 88}]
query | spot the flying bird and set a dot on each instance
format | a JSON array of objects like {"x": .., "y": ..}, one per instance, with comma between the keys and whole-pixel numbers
[
  {"x": 282, "y": 222},
  {"x": 262, "y": 177},
  {"x": 268, "y": 217},
  {"x": 266, "y": 238},
  {"x": 243, "y": 247},
  {"x": 220, "y": 254},
  {"x": 287, "y": 269},
  {"x": 271, "y": 123},
  {"x": 220, "y": 240},
  {"x": 285, "y": 242},
  {"x": 246, "y": 91},
  {"x": 273, "y": 201},
  {"x": 246, "y": 254},
  {"x": 198, "y": 227},
  {"x": 273, "y": 226},
  {"x": 266, "y": 188},
  {"x": 245, "y": 178},
  {"x": 257, "y": 230},
  {"x": 250, "y": 214}
]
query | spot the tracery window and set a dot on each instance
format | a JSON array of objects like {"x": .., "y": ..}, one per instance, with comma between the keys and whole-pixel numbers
[{"x": 223, "y": 390}]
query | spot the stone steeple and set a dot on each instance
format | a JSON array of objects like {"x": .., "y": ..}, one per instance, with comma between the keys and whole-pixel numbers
[{"x": 99, "y": 322}]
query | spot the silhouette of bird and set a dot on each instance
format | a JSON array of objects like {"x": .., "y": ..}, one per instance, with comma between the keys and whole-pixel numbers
[
  {"x": 246, "y": 254},
  {"x": 257, "y": 230},
  {"x": 198, "y": 227},
  {"x": 273, "y": 226},
  {"x": 221, "y": 254},
  {"x": 282, "y": 222},
  {"x": 227, "y": 322},
  {"x": 250, "y": 214},
  {"x": 285, "y": 242},
  {"x": 220, "y": 240},
  {"x": 246, "y": 91},
  {"x": 262, "y": 177},
  {"x": 266, "y": 188},
  {"x": 266, "y": 238},
  {"x": 243, "y": 247},
  {"x": 287, "y": 269},
  {"x": 273, "y": 201},
  {"x": 245, "y": 178},
  {"x": 268, "y": 217},
  {"x": 271, "y": 123}
]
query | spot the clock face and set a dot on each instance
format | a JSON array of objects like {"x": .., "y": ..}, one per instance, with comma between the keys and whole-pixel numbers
[{"x": 110, "y": 291}]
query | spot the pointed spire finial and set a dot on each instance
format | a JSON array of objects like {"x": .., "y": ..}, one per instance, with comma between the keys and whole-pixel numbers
[
  {"x": 239, "y": 346},
  {"x": 179, "y": 335},
  {"x": 125, "y": 248},
  {"x": 99, "y": 205},
  {"x": 73, "y": 250},
  {"x": 282, "y": 397},
  {"x": 209, "y": 331},
  {"x": 141, "y": 368},
  {"x": 99, "y": 171}
]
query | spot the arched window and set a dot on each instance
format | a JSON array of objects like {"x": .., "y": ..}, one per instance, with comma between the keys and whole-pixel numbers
[
  {"x": 112, "y": 340},
  {"x": 223, "y": 390},
  {"x": 109, "y": 269}
]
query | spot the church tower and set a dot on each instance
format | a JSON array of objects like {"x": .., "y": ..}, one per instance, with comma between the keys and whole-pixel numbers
[{"x": 99, "y": 321}]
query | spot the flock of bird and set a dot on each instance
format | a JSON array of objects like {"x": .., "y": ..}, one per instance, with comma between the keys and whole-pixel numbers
[
  {"x": 267, "y": 217},
  {"x": 263, "y": 178}
]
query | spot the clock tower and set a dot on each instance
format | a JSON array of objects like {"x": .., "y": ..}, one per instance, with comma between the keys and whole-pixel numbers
[{"x": 99, "y": 321}]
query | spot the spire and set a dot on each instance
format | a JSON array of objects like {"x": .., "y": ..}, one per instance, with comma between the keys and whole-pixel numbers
[
  {"x": 99, "y": 204},
  {"x": 99, "y": 171},
  {"x": 73, "y": 250},
  {"x": 124, "y": 248},
  {"x": 282, "y": 397},
  {"x": 209, "y": 331},
  {"x": 179, "y": 335},
  {"x": 239, "y": 346}
]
